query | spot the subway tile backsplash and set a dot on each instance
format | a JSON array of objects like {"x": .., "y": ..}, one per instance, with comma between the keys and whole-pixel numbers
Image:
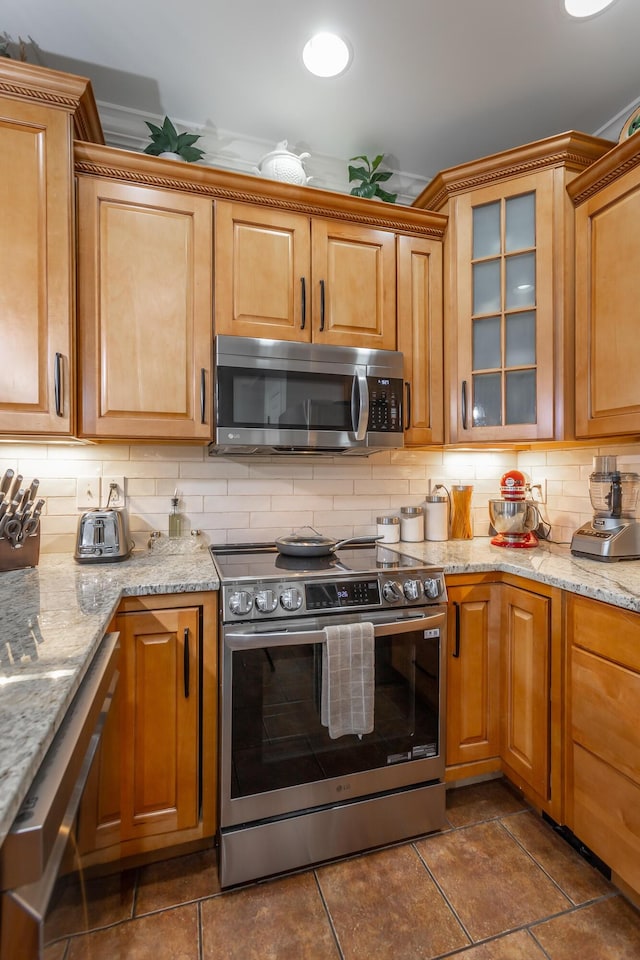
[{"x": 258, "y": 499}]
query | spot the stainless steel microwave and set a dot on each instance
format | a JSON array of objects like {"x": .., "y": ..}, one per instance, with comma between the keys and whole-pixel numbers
[{"x": 277, "y": 396}]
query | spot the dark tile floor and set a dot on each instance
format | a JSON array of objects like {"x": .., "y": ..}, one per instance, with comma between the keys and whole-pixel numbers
[{"x": 498, "y": 885}]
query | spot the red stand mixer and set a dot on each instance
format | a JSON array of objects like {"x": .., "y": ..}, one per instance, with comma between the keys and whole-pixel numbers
[{"x": 514, "y": 517}]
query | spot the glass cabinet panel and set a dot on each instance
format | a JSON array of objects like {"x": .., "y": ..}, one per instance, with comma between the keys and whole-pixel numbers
[
  {"x": 520, "y": 281},
  {"x": 487, "y": 400},
  {"x": 520, "y": 339},
  {"x": 487, "y": 343},
  {"x": 486, "y": 287},
  {"x": 486, "y": 231},
  {"x": 521, "y": 396},
  {"x": 520, "y": 222},
  {"x": 503, "y": 344}
]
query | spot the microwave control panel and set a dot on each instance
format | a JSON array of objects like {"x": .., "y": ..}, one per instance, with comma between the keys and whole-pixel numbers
[{"x": 385, "y": 405}]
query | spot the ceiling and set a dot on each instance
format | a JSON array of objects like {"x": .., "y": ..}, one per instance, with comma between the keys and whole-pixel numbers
[{"x": 433, "y": 83}]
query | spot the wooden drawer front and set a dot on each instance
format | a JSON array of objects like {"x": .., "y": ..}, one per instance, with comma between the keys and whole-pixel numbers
[
  {"x": 606, "y": 814},
  {"x": 604, "y": 711},
  {"x": 609, "y": 631}
]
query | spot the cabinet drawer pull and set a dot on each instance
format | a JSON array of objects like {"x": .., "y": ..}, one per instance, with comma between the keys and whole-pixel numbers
[
  {"x": 321, "y": 305},
  {"x": 303, "y": 296},
  {"x": 203, "y": 395},
  {"x": 407, "y": 387},
  {"x": 464, "y": 404},
  {"x": 456, "y": 649},
  {"x": 57, "y": 384},
  {"x": 186, "y": 662}
]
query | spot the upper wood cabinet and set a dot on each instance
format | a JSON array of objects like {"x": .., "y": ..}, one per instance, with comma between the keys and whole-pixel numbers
[
  {"x": 509, "y": 363},
  {"x": 283, "y": 275},
  {"x": 607, "y": 200},
  {"x": 144, "y": 312},
  {"x": 419, "y": 287},
  {"x": 39, "y": 112}
]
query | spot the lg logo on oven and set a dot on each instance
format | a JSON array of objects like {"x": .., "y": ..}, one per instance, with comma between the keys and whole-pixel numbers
[{"x": 343, "y": 787}]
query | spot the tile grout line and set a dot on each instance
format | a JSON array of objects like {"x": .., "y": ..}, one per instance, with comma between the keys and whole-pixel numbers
[
  {"x": 328, "y": 913},
  {"x": 443, "y": 894}
]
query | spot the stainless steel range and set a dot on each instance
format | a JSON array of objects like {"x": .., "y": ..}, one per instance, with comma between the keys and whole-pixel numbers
[{"x": 291, "y": 795}]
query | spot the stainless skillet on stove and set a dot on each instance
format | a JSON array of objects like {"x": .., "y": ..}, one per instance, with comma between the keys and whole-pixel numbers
[{"x": 314, "y": 544}]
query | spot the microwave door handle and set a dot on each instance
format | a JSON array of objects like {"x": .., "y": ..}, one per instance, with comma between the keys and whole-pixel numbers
[{"x": 360, "y": 414}]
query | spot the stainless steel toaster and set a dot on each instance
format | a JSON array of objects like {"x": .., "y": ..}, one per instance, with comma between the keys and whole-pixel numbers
[{"x": 103, "y": 536}]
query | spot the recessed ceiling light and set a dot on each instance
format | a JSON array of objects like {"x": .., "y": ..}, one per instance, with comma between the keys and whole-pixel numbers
[
  {"x": 326, "y": 55},
  {"x": 585, "y": 8}
]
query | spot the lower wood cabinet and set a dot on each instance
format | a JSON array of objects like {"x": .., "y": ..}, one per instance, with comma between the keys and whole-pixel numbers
[
  {"x": 603, "y": 734},
  {"x": 473, "y": 692},
  {"x": 504, "y": 673},
  {"x": 153, "y": 784}
]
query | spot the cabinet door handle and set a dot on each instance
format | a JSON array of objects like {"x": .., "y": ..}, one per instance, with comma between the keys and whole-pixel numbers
[
  {"x": 407, "y": 387},
  {"x": 321, "y": 305},
  {"x": 57, "y": 384},
  {"x": 203, "y": 395},
  {"x": 303, "y": 295},
  {"x": 464, "y": 404},
  {"x": 186, "y": 662},
  {"x": 456, "y": 649}
]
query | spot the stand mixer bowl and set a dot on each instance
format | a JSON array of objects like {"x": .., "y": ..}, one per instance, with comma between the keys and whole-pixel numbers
[{"x": 514, "y": 519}]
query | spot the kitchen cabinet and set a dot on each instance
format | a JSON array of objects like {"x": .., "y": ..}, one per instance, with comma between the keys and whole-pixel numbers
[
  {"x": 504, "y": 684},
  {"x": 419, "y": 281},
  {"x": 286, "y": 276},
  {"x": 144, "y": 312},
  {"x": 509, "y": 290},
  {"x": 525, "y": 684},
  {"x": 153, "y": 783},
  {"x": 473, "y": 692},
  {"x": 607, "y": 212},
  {"x": 40, "y": 110},
  {"x": 603, "y": 739}
]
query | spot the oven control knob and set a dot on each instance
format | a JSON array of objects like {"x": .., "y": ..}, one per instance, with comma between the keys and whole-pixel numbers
[
  {"x": 291, "y": 599},
  {"x": 412, "y": 589},
  {"x": 432, "y": 588},
  {"x": 240, "y": 602},
  {"x": 266, "y": 601},
  {"x": 392, "y": 591}
]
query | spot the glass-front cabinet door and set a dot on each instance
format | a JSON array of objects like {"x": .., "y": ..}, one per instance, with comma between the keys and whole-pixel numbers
[{"x": 505, "y": 351}]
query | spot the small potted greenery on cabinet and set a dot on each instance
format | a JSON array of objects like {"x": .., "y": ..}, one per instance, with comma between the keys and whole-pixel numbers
[
  {"x": 167, "y": 142},
  {"x": 370, "y": 178}
]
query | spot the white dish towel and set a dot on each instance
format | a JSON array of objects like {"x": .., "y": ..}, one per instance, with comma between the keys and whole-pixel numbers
[{"x": 348, "y": 679}]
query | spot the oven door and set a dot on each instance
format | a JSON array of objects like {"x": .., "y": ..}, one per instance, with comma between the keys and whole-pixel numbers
[{"x": 276, "y": 757}]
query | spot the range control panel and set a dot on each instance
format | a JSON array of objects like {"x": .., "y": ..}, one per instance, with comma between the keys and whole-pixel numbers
[{"x": 376, "y": 591}]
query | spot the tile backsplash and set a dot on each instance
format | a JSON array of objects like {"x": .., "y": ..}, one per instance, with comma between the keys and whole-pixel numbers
[{"x": 258, "y": 499}]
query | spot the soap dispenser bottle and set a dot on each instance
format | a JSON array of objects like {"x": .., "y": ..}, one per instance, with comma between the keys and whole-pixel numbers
[{"x": 175, "y": 519}]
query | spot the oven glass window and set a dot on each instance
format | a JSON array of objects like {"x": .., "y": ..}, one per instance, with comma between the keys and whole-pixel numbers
[
  {"x": 278, "y": 740},
  {"x": 287, "y": 399}
]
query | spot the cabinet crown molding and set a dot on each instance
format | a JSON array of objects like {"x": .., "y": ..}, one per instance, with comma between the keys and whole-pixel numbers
[
  {"x": 573, "y": 150},
  {"x": 117, "y": 164}
]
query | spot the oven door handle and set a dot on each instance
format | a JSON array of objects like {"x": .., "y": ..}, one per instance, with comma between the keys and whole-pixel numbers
[{"x": 254, "y": 641}]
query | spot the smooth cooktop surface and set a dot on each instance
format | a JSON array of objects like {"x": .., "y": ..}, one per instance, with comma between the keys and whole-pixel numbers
[{"x": 259, "y": 564}]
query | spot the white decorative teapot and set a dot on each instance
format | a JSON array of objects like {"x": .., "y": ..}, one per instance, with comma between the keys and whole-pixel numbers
[{"x": 283, "y": 165}]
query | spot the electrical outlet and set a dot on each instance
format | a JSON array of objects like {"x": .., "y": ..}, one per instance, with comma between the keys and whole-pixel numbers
[
  {"x": 114, "y": 496},
  {"x": 539, "y": 491},
  {"x": 88, "y": 493}
]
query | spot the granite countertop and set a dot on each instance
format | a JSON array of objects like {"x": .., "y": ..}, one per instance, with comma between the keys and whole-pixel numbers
[{"x": 53, "y": 618}]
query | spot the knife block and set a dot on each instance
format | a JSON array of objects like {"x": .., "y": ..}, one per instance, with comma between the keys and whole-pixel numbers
[{"x": 16, "y": 558}]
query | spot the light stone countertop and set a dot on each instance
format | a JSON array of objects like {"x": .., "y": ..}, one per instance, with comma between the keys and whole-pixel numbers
[{"x": 53, "y": 617}]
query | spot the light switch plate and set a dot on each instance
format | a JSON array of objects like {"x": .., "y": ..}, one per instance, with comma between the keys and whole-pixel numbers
[
  {"x": 88, "y": 493},
  {"x": 118, "y": 496}
]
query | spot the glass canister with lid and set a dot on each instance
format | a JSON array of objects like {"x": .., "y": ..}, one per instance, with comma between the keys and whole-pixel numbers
[
  {"x": 388, "y": 529},
  {"x": 411, "y": 524}
]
